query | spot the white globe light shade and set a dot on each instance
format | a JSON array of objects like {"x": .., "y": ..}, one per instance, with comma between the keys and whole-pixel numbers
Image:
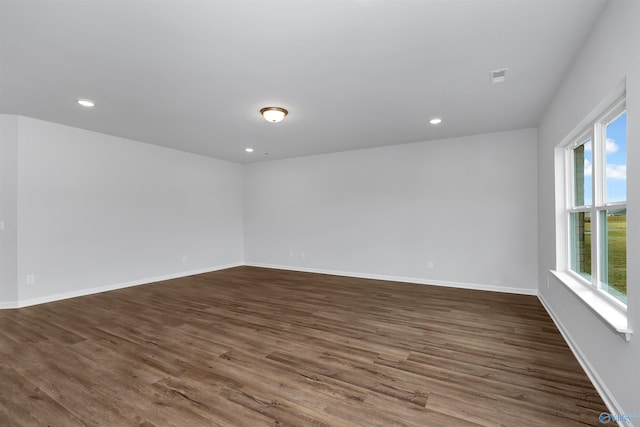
[{"x": 274, "y": 114}]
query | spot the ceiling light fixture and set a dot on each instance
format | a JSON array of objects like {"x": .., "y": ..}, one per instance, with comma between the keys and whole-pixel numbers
[
  {"x": 86, "y": 102},
  {"x": 248, "y": 150},
  {"x": 435, "y": 121},
  {"x": 273, "y": 114}
]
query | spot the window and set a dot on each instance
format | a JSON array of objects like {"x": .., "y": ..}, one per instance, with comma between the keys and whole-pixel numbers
[{"x": 596, "y": 207}]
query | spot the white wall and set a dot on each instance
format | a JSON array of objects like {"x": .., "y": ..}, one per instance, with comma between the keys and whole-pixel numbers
[
  {"x": 611, "y": 54},
  {"x": 8, "y": 210},
  {"x": 97, "y": 212},
  {"x": 468, "y": 204}
]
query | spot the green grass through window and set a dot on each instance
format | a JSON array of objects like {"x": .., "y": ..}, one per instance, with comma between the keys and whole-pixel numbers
[{"x": 617, "y": 247}]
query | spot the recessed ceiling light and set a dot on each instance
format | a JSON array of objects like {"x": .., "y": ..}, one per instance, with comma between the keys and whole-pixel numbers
[
  {"x": 248, "y": 150},
  {"x": 86, "y": 102},
  {"x": 273, "y": 114},
  {"x": 435, "y": 121}
]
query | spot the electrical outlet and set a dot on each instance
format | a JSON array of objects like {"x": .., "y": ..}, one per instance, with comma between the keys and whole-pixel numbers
[
  {"x": 184, "y": 259},
  {"x": 291, "y": 254},
  {"x": 430, "y": 264},
  {"x": 302, "y": 255},
  {"x": 31, "y": 279}
]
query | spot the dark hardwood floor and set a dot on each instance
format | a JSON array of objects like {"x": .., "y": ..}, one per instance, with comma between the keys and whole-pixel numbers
[{"x": 250, "y": 347}]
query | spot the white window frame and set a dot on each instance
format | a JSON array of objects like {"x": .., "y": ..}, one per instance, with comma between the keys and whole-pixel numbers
[{"x": 605, "y": 305}]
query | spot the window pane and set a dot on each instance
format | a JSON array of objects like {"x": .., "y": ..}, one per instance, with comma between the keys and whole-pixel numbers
[
  {"x": 613, "y": 277},
  {"x": 616, "y": 149},
  {"x": 580, "y": 224},
  {"x": 583, "y": 170}
]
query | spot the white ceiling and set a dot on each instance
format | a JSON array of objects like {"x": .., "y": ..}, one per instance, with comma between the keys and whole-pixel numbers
[{"x": 192, "y": 75}]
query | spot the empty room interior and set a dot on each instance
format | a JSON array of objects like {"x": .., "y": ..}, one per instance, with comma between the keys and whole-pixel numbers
[{"x": 319, "y": 212}]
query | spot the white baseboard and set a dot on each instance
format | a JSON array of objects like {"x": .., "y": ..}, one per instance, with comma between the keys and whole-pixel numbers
[
  {"x": 476, "y": 286},
  {"x": 8, "y": 304},
  {"x": 612, "y": 404},
  {"x": 90, "y": 291}
]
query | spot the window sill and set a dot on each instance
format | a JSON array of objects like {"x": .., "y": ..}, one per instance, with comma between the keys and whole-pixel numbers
[{"x": 607, "y": 310}]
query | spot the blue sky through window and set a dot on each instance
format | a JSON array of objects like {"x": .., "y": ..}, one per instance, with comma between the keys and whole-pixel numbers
[
  {"x": 588, "y": 173},
  {"x": 616, "y": 134},
  {"x": 616, "y": 162}
]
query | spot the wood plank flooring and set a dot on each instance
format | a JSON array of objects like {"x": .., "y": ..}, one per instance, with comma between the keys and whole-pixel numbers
[{"x": 255, "y": 347}]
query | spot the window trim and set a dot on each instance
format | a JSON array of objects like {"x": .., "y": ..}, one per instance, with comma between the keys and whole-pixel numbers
[
  {"x": 595, "y": 132},
  {"x": 605, "y": 305},
  {"x": 598, "y": 302}
]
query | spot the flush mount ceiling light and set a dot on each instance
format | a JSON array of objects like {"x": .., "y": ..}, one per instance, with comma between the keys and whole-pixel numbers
[
  {"x": 435, "y": 121},
  {"x": 273, "y": 114},
  {"x": 86, "y": 102},
  {"x": 249, "y": 150}
]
